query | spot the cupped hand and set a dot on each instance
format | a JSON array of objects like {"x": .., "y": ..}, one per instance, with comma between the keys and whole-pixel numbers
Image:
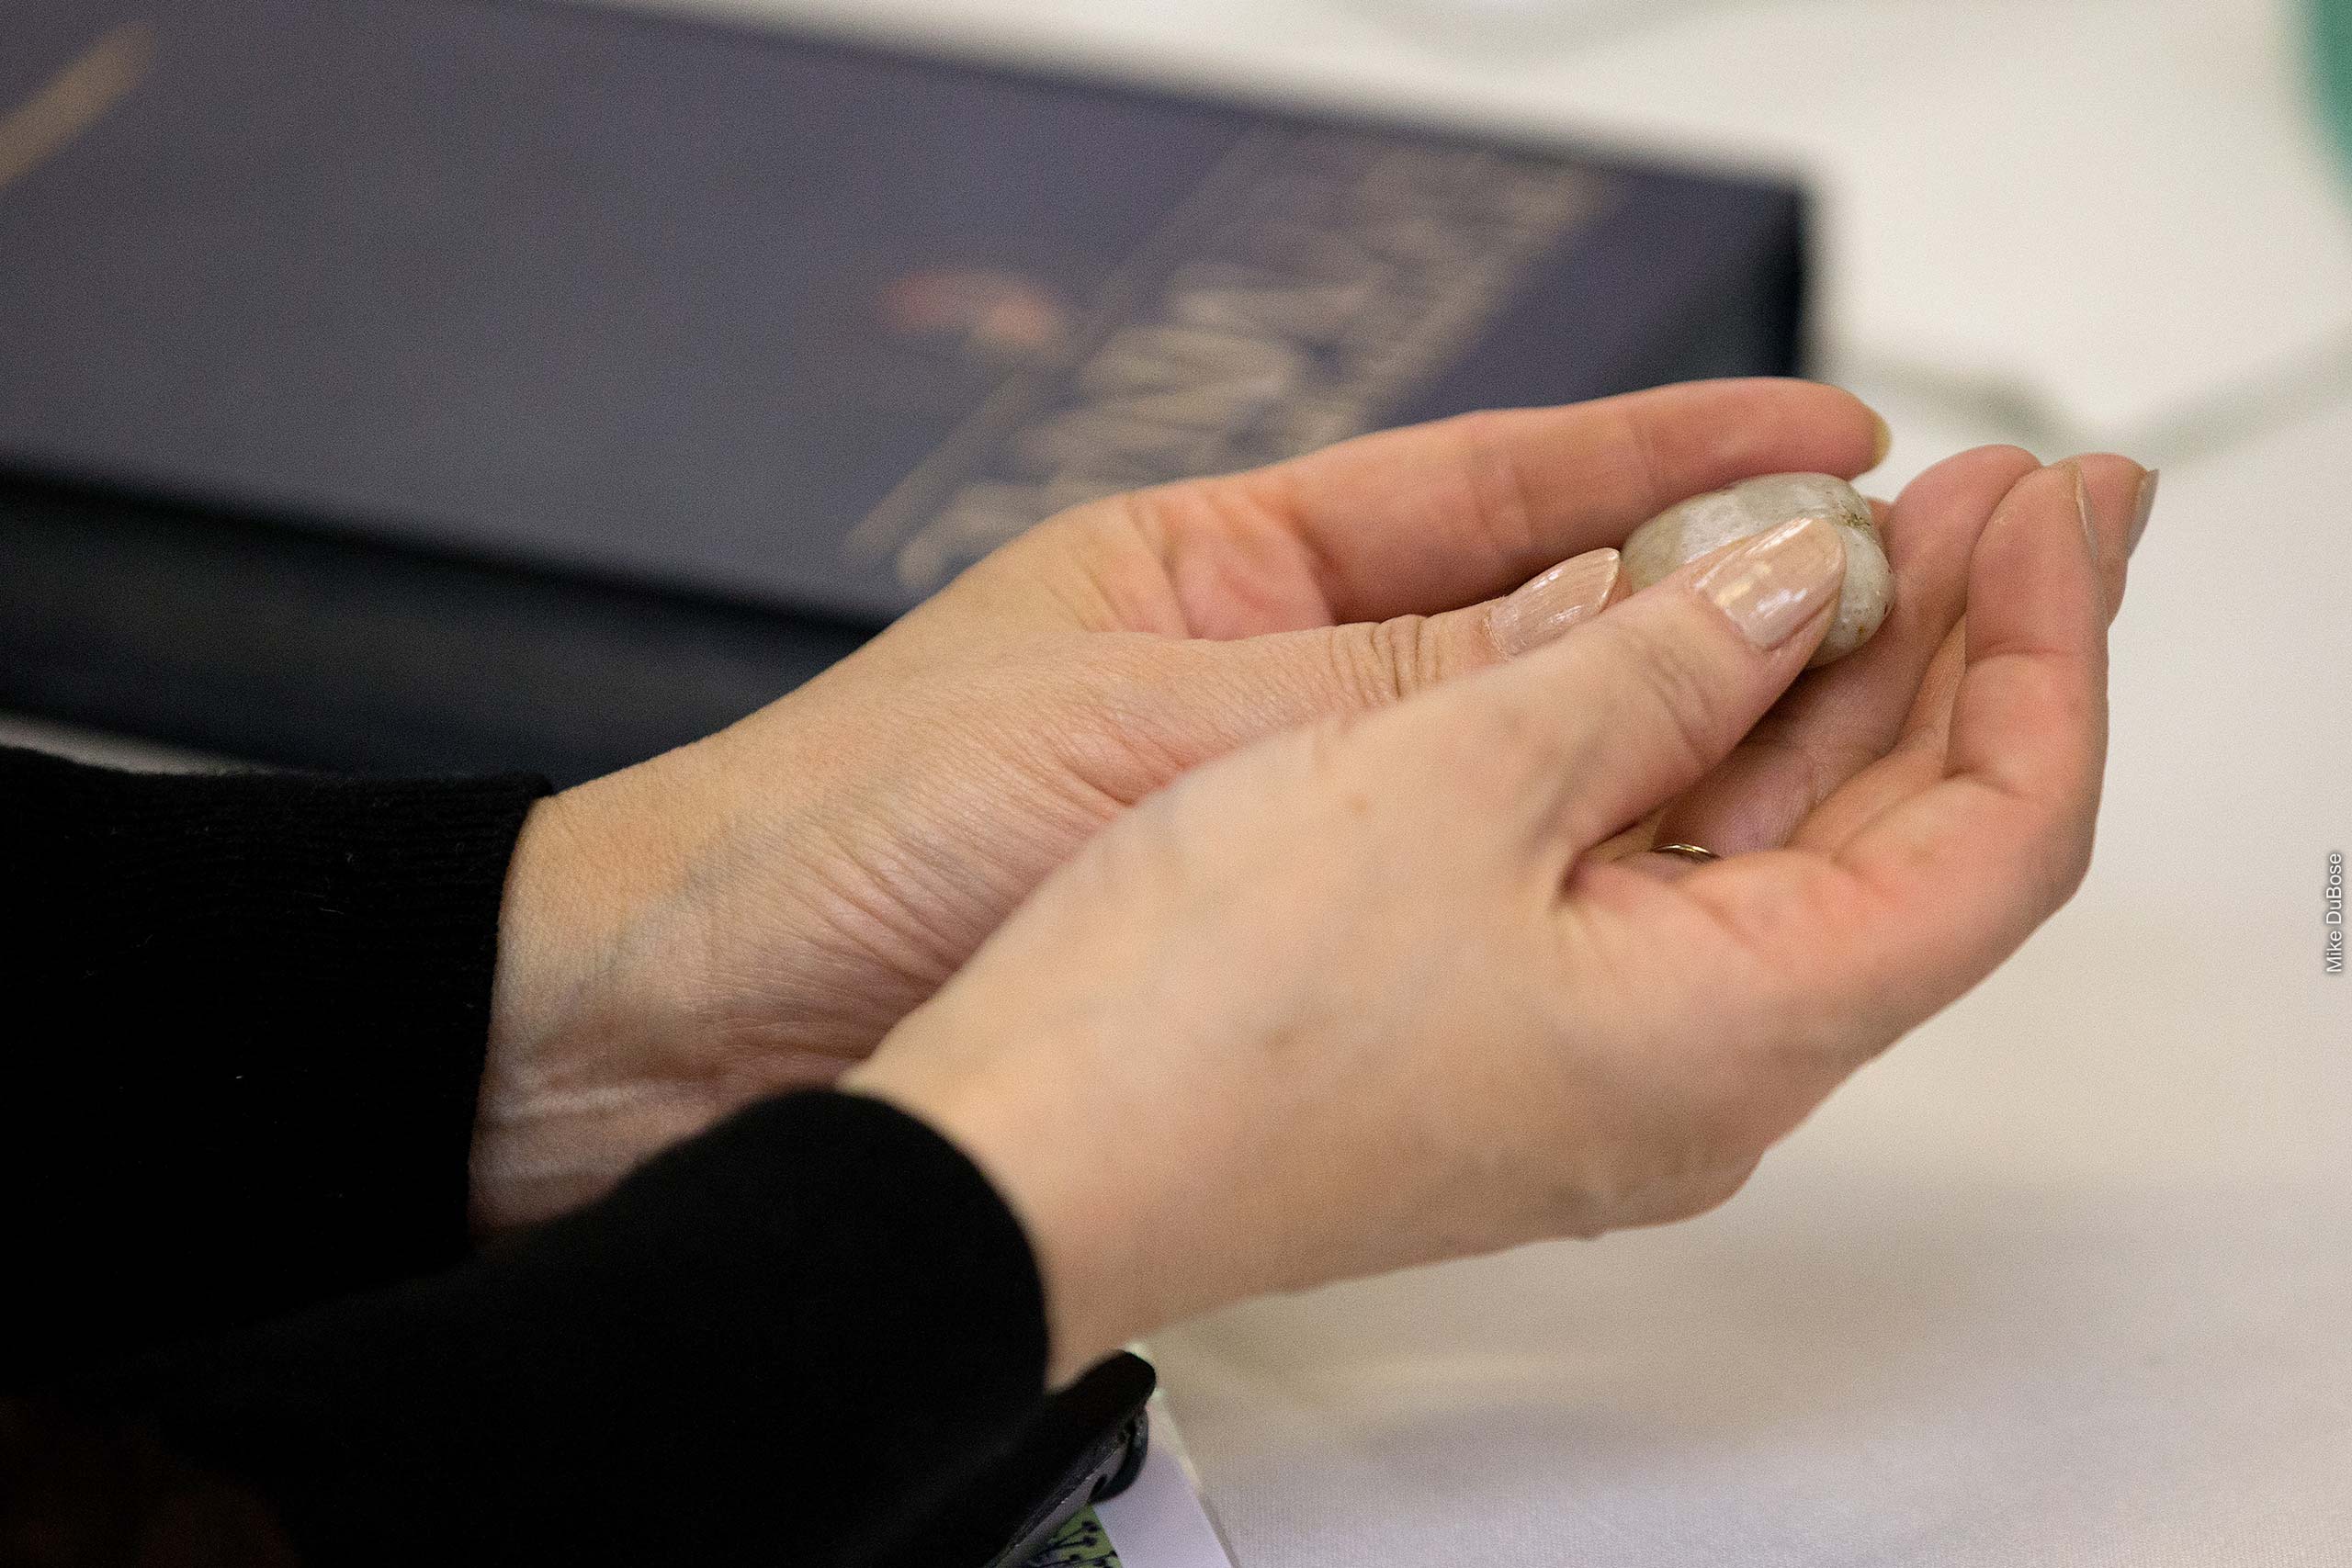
[
  {"x": 1363, "y": 995},
  {"x": 1894, "y": 694},
  {"x": 755, "y": 912}
]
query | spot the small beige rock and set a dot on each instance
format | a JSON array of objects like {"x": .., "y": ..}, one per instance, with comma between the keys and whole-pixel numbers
[{"x": 1706, "y": 523}]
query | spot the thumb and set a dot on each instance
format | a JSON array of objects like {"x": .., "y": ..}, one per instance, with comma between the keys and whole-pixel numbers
[
  {"x": 1370, "y": 663},
  {"x": 1640, "y": 705}
]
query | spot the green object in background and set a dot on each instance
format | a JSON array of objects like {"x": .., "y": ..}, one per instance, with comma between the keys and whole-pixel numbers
[{"x": 2331, "y": 56}]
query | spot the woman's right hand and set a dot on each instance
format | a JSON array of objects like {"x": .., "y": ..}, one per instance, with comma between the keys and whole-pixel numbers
[{"x": 1359, "y": 996}]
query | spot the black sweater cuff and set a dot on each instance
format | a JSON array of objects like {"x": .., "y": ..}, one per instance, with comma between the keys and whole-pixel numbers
[
  {"x": 771, "y": 1343},
  {"x": 275, "y": 989}
]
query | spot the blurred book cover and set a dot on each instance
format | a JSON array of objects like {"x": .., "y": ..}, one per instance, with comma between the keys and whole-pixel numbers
[{"x": 680, "y": 321}]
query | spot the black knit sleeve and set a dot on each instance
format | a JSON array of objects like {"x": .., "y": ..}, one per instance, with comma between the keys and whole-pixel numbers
[
  {"x": 246, "y": 1016},
  {"x": 250, "y": 1326},
  {"x": 777, "y": 1342}
]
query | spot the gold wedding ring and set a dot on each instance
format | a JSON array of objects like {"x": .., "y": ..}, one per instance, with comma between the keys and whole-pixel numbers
[{"x": 1696, "y": 854}]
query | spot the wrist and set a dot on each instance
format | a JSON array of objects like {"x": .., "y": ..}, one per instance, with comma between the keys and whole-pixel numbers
[
  {"x": 598, "y": 959},
  {"x": 1027, "y": 1132}
]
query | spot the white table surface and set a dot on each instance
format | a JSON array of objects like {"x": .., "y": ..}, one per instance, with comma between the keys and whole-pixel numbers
[{"x": 2067, "y": 1276}]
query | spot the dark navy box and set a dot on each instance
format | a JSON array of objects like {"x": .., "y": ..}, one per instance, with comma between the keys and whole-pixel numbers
[{"x": 444, "y": 384}]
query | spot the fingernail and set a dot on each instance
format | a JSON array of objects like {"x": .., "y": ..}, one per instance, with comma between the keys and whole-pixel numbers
[
  {"x": 1552, "y": 601},
  {"x": 1773, "y": 584},
  {"x": 1881, "y": 438},
  {"x": 2083, "y": 508},
  {"x": 2145, "y": 510}
]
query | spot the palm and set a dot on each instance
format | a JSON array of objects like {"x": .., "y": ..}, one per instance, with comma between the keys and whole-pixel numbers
[{"x": 1915, "y": 874}]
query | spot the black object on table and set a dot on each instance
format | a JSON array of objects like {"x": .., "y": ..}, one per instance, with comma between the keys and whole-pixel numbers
[{"x": 1085, "y": 1445}]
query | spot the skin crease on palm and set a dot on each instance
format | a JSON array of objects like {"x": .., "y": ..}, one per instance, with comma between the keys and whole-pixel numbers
[{"x": 759, "y": 911}]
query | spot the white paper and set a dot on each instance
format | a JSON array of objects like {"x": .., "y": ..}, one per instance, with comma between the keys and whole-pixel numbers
[{"x": 1160, "y": 1522}]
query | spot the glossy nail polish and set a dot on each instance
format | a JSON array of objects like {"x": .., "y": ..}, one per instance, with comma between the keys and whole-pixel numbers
[
  {"x": 1771, "y": 585},
  {"x": 1552, "y": 601},
  {"x": 2083, "y": 508}
]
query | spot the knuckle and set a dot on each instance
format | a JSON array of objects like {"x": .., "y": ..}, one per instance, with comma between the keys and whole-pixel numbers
[
  {"x": 1385, "y": 661},
  {"x": 1416, "y": 650},
  {"x": 1496, "y": 484},
  {"x": 1377, "y": 663},
  {"x": 1636, "y": 456}
]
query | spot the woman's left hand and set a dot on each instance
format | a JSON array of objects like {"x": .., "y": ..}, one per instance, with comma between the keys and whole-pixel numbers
[{"x": 755, "y": 912}]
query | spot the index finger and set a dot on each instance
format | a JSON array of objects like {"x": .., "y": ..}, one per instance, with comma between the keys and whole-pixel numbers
[{"x": 1435, "y": 516}]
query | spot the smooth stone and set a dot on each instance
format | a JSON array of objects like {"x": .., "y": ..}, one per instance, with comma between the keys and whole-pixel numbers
[{"x": 1704, "y": 524}]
